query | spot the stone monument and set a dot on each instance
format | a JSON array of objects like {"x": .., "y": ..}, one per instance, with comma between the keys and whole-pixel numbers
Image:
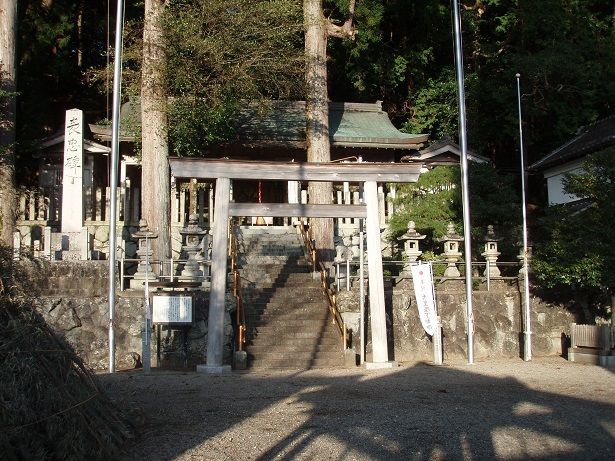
[{"x": 72, "y": 179}]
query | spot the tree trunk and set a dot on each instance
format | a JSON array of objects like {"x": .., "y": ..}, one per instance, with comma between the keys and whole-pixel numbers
[
  {"x": 155, "y": 176},
  {"x": 8, "y": 25},
  {"x": 317, "y": 119}
]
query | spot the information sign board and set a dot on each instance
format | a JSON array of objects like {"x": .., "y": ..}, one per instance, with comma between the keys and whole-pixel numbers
[{"x": 172, "y": 310}]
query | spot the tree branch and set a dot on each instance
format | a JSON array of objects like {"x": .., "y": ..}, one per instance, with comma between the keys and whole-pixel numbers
[{"x": 346, "y": 30}]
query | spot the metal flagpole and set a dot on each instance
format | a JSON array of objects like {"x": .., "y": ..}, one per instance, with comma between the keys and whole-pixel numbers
[
  {"x": 527, "y": 330},
  {"x": 145, "y": 353},
  {"x": 115, "y": 146},
  {"x": 464, "y": 179}
]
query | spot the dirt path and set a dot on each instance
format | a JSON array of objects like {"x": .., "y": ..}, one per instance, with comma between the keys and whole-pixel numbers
[{"x": 545, "y": 409}]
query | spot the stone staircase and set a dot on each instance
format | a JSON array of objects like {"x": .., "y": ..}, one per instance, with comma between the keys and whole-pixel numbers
[{"x": 288, "y": 322}]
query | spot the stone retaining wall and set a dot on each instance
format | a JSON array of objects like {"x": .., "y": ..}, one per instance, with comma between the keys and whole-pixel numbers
[
  {"x": 497, "y": 313},
  {"x": 72, "y": 297}
]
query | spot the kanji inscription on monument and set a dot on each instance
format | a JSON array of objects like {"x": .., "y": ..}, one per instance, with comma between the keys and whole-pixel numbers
[{"x": 72, "y": 179}]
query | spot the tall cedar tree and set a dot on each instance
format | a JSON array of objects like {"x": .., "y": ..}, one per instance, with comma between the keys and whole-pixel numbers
[
  {"x": 155, "y": 175},
  {"x": 317, "y": 30},
  {"x": 8, "y": 25}
]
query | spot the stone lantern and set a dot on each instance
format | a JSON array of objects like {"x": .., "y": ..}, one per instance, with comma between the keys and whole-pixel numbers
[
  {"x": 529, "y": 260},
  {"x": 145, "y": 256},
  {"x": 451, "y": 250},
  {"x": 193, "y": 235},
  {"x": 491, "y": 253},
  {"x": 411, "y": 246}
]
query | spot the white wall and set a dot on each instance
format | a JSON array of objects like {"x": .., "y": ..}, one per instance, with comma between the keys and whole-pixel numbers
[{"x": 555, "y": 186}]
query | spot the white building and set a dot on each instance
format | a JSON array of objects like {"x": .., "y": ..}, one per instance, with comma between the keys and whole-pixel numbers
[{"x": 569, "y": 157}]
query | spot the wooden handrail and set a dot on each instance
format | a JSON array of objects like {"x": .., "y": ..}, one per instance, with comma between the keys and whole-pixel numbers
[
  {"x": 324, "y": 282},
  {"x": 236, "y": 278}
]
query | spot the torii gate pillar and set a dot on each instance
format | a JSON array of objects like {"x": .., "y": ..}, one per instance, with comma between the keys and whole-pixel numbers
[
  {"x": 219, "y": 254},
  {"x": 380, "y": 354}
]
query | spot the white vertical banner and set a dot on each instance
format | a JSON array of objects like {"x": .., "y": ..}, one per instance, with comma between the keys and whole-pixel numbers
[{"x": 422, "y": 278}]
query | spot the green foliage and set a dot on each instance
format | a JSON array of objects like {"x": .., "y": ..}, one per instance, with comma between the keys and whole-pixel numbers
[
  {"x": 432, "y": 202},
  {"x": 222, "y": 52},
  {"x": 5, "y": 97},
  {"x": 435, "y": 200},
  {"x": 194, "y": 125},
  {"x": 562, "y": 49},
  {"x": 434, "y": 106},
  {"x": 579, "y": 250}
]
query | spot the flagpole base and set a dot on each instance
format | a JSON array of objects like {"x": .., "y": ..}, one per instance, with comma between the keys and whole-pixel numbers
[{"x": 380, "y": 365}]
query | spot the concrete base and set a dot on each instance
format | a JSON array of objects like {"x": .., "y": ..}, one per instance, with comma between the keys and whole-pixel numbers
[
  {"x": 350, "y": 358},
  {"x": 607, "y": 361},
  {"x": 380, "y": 365},
  {"x": 240, "y": 360},
  {"x": 213, "y": 369}
]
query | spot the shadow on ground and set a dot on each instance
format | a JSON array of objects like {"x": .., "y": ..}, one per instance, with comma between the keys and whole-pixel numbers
[{"x": 418, "y": 412}]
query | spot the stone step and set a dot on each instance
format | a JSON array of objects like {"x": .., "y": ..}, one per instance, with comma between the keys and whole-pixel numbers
[
  {"x": 267, "y": 230},
  {"x": 274, "y": 244},
  {"x": 288, "y": 324},
  {"x": 298, "y": 293},
  {"x": 300, "y": 355},
  {"x": 315, "y": 311},
  {"x": 299, "y": 329},
  {"x": 262, "y": 338},
  {"x": 274, "y": 281},
  {"x": 293, "y": 253},
  {"x": 330, "y": 346},
  {"x": 260, "y": 260},
  {"x": 293, "y": 332},
  {"x": 293, "y": 363},
  {"x": 263, "y": 346},
  {"x": 285, "y": 316},
  {"x": 300, "y": 270}
]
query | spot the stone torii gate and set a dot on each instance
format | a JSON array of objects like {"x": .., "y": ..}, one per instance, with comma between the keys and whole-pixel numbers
[{"x": 223, "y": 171}]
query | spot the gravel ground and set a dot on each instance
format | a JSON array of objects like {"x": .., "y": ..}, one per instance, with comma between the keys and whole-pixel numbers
[{"x": 544, "y": 409}]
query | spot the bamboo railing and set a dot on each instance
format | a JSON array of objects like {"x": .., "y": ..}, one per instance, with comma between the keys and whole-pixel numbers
[{"x": 240, "y": 340}]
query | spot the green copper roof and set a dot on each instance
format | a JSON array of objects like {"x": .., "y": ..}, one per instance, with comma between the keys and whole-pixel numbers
[
  {"x": 350, "y": 124},
  {"x": 282, "y": 123}
]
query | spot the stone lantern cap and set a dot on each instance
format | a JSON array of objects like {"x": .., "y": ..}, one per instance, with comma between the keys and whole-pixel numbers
[
  {"x": 411, "y": 234},
  {"x": 193, "y": 226},
  {"x": 491, "y": 236},
  {"x": 451, "y": 235},
  {"x": 144, "y": 231}
]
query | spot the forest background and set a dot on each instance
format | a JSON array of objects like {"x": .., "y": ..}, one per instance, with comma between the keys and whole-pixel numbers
[{"x": 402, "y": 54}]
